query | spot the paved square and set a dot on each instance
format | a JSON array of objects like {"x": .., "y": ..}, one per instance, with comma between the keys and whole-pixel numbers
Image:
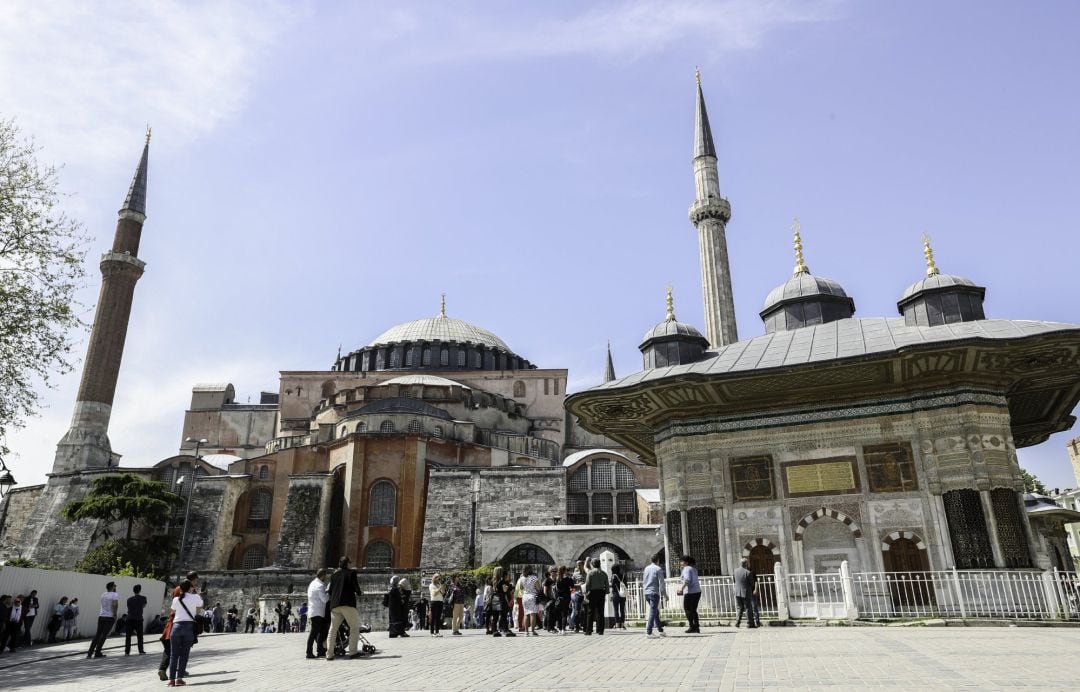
[{"x": 721, "y": 658}]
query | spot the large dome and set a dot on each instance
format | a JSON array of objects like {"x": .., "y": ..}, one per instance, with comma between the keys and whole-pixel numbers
[{"x": 440, "y": 329}]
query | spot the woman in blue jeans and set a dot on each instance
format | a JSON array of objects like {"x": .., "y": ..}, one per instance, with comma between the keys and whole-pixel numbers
[{"x": 186, "y": 607}]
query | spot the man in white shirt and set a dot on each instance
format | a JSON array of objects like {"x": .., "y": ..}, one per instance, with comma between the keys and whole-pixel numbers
[
  {"x": 317, "y": 596},
  {"x": 110, "y": 605}
]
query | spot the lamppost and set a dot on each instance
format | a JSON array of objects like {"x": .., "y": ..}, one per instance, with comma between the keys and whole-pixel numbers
[
  {"x": 191, "y": 491},
  {"x": 6, "y": 479}
]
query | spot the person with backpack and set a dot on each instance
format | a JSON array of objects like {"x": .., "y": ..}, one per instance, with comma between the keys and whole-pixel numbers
[
  {"x": 71, "y": 619},
  {"x": 618, "y": 597}
]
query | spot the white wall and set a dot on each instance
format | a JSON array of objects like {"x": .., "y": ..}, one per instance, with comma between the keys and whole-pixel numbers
[{"x": 51, "y": 585}]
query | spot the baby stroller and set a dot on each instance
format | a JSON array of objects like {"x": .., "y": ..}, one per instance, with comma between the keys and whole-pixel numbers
[{"x": 341, "y": 641}]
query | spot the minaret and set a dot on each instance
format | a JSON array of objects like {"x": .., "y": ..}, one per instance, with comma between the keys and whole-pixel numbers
[
  {"x": 86, "y": 444},
  {"x": 609, "y": 366},
  {"x": 710, "y": 213}
]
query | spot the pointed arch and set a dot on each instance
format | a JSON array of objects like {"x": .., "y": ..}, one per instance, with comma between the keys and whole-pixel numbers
[{"x": 826, "y": 512}]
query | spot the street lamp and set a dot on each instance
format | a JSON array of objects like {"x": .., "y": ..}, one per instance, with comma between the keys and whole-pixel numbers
[
  {"x": 191, "y": 491},
  {"x": 6, "y": 479}
]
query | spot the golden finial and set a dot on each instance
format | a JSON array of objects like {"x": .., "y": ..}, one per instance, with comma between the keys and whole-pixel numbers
[
  {"x": 670, "y": 305},
  {"x": 928, "y": 252},
  {"x": 148, "y": 133},
  {"x": 697, "y": 75},
  {"x": 442, "y": 306},
  {"x": 800, "y": 263}
]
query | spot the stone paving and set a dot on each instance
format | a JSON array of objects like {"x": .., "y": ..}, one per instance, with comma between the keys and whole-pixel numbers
[{"x": 721, "y": 658}]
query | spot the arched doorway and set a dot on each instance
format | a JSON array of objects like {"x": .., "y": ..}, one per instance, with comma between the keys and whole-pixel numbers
[
  {"x": 905, "y": 559},
  {"x": 524, "y": 554},
  {"x": 762, "y": 562},
  {"x": 826, "y": 543}
]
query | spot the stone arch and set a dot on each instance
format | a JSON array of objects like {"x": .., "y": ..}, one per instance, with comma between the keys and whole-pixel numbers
[
  {"x": 527, "y": 553},
  {"x": 826, "y": 512},
  {"x": 760, "y": 541},
  {"x": 595, "y": 549},
  {"x": 887, "y": 542}
]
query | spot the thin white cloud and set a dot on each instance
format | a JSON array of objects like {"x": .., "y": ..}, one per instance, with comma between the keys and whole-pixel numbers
[
  {"x": 624, "y": 30},
  {"x": 83, "y": 76}
]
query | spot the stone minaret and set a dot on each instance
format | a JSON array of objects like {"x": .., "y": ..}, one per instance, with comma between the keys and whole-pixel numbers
[
  {"x": 86, "y": 444},
  {"x": 710, "y": 213},
  {"x": 609, "y": 366}
]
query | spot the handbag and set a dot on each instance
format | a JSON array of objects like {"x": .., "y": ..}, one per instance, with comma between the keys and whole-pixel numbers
[{"x": 197, "y": 626}]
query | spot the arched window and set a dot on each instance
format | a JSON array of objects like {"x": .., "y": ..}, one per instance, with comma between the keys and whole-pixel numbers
[
  {"x": 426, "y": 358},
  {"x": 409, "y": 357},
  {"x": 519, "y": 389},
  {"x": 461, "y": 358},
  {"x": 594, "y": 495},
  {"x": 379, "y": 555},
  {"x": 477, "y": 360},
  {"x": 254, "y": 558},
  {"x": 414, "y": 426},
  {"x": 361, "y": 427},
  {"x": 387, "y": 426},
  {"x": 264, "y": 473},
  {"x": 528, "y": 554},
  {"x": 344, "y": 431},
  {"x": 444, "y": 356},
  {"x": 167, "y": 476},
  {"x": 624, "y": 477},
  {"x": 395, "y": 358},
  {"x": 437, "y": 432},
  {"x": 328, "y": 389},
  {"x": 382, "y": 504},
  {"x": 259, "y": 510}
]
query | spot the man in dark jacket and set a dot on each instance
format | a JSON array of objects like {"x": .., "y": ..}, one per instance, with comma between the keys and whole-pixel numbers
[
  {"x": 745, "y": 586},
  {"x": 344, "y": 590},
  {"x": 135, "y": 606}
]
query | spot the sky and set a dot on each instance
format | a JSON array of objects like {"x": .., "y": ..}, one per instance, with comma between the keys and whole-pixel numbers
[{"x": 321, "y": 171}]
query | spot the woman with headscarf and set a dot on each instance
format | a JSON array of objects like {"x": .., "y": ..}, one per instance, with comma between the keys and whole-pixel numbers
[{"x": 398, "y": 609}]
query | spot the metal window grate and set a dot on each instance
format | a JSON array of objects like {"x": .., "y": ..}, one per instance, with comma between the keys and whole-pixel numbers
[{"x": 383, "y": 504}]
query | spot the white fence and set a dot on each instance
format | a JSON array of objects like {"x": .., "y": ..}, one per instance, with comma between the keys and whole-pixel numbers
[
  {"x": 969, "y": 594},
  {"x": 51, "y": 585}
]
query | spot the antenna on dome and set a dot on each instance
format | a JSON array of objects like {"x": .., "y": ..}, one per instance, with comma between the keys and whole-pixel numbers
[{"x": 442, "y": 306}]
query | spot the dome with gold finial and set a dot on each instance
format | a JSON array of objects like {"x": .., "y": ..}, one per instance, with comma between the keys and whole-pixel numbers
[
  {"x": 940, "y": 298},
  {"x": 672, "y": 342},
  {"x": 804, "y": 299}
]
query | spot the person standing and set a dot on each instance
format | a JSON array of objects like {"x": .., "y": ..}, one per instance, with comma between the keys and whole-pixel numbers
[
  {"x": 564, "y": 585},
  {"x": 317, "y": 597},
  {"x": 478, "y": 605},
  {"x": 457, "y": 603},
  {"x": 596, "y": 590},
  {"x": 283, "y": 610},
  {"x": 218, "y": 618},
  {"x": 185, "y": 608},
  {"x": 30, "y": 610},
  {"x": 134, "y": 625},
  {"x": 71, "y": 619},
  {"x": 110, "y": 605},
  {"x": 690, "y": 590},
  {"x": 519, "y": 607},
  {"x": 56, "y": 619},
  {"x": 344, "y": 590},
  {"x": 618, "y": 597},
  {"x": 249, "y": 620},
  {"x": 745, "y": 587},
  {"x": 502, "y": 598},
  {"x": 13, "y": 624},
  {"x": 397, "y": 610},
  {"x": 551, "y": 597},
  {"x": 436, "y": 593},
  {"x": 5, "y": 617},
  {"x": 530, "y": 586},
  {"x": 166, "y": 635},
  {"x": 303, "y": 613},
  {"x": 652, "y": 587}
]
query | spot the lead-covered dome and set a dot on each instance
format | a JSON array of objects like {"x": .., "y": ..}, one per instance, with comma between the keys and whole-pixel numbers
[
  {"x": 440, "y": 328},
  {"x": 940, "y": 298},
  {"x": 805, "y": 299},
  {"x": 672, "y": 342}
]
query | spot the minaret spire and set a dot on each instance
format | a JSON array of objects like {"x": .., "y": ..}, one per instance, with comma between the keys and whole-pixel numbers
[
  {"x": 710, "y": 213},
  {"x": 609, "y": 366},
  {"x": 86, "y": 444},
  {"x": 800, "y": 263},
  {"x": 928, "y": 253}
]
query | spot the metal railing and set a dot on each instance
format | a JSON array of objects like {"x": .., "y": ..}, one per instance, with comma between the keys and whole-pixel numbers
[{"x": 966, "y": 594}]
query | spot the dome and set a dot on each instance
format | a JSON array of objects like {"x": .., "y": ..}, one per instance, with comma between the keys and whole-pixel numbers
[
  {"x": 400, "y": 405},
  {"x": 935, "y": 282},
  {"x": 670, "y": 328},
  {"x": 803, "y": 286},
  {"x": 428, "y": 380},
  {"x": 440, "y": 329}
]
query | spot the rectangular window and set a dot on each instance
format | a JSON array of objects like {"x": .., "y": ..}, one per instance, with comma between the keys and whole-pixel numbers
[
  {"x": 556, "y": 386},
  {"x": 752, "y": 478},
  {"x": 890, "y": 468},
  {"x": 603, "y": 511},
  {"x": 577, "y": 508},
  {"x": 601, "y": 475}
]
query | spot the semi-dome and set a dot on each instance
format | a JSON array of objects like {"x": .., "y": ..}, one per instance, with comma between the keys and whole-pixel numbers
[
  {"x": 940, "y": 298},
  {"x": 427, "y": 380}
]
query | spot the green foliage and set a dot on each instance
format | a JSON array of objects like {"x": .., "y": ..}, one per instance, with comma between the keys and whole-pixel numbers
[
  {"x": 1032, "y": 482},
  {"x": 124, "y": 558},
  {"x": 472, "y": 580},
  {"x": 41, "y": 270},
  {"x": 124, "y": 497}
]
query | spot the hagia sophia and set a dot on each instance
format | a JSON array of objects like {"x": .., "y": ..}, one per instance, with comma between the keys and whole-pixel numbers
[{"x": 888, "y": 443}]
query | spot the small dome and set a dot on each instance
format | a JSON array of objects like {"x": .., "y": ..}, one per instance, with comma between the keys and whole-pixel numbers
[
  {"x": 440, "y": 329},
  {"x": 669, "y": 328},
  {"x": 937, "y": 281},
  {"x": 803, "y": 286}
]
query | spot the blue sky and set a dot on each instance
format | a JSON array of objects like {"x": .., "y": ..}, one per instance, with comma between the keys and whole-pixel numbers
[{"x": 321, "y": 171}]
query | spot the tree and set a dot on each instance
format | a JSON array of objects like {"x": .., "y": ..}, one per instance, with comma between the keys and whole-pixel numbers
[
  {"x": 41, "y": 269},
  {"x": 1032, "y": 484},
  {"x": 124, "y": 498}
]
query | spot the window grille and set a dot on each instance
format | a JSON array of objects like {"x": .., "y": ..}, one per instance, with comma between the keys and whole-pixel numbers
[
  {"x": 444, "y": 357},
  {"x": 437, "y": 432},
  {"x": 254, "y": 558},
  {"x": 602, "y": 509},
  {"x": 383, "y": 504},
  {"x": 624, "y": 477},
  {"x": 426, "y": 358},
  {"x": 264, "y": 473},
  {"x": 379, "y": 555},
  {"x": 626, "y": 506},
  {"x": 414, "y": 426},
  {"x": 580, "y": 479},
  {"x": 259, "y": 511},
  {"x": 409, "y": 357},
  {"x": 577, "y": 508},
  {"x": 387, "y": 426},
  {"x": 601, "y": 475},
  {"x": 461, "y": 358}
]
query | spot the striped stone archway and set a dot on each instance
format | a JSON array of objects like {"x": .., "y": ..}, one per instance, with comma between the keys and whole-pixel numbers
[
  {"x": 760, "y": 541},
  {"x": 826, "y": 512},
  {"x": 887, "y": 542}
]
